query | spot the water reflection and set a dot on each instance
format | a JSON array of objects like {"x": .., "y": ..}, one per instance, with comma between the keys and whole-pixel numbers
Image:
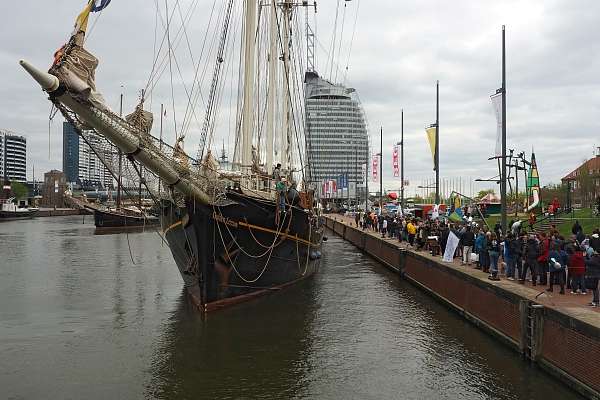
[{"x": 256, "y": 350}]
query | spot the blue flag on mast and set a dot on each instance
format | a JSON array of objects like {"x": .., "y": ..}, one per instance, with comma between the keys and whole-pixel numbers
[{"x": 99, "y": 5}]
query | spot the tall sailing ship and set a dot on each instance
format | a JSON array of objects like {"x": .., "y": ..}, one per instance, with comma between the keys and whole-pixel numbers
[{"x": 234, "y": 234}]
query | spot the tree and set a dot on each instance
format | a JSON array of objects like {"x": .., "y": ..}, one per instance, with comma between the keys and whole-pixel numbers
[
  {"x": 19, "y": 191},
  {"x": 550, "y": 191},
  {"x": 418, "y": 199},
  {"x": 483, "y": 193}
]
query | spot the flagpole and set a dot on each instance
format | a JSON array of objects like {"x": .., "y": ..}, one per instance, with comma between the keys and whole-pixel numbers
[
  {"x": 381, "y": 171},
  {"x": 503, "y": 177},
  {"x": 437, "y": 142},
  {"x": 402, "y": 160},
  {"x": 367, "y": 161}
]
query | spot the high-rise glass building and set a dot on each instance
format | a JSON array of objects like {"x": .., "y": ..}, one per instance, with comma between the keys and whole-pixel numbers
[
  {"x": 13, "y": 157},
  {"x": 80, "y": 164},
  {"x": 337, "y": 137}
]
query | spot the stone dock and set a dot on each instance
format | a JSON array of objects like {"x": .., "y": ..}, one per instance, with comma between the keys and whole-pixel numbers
[{"x": 559, "y": 333}]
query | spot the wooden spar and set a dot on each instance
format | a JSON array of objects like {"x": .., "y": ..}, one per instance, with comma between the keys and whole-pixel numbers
[
  {"x": 249, "y": 69},
  {"x": 114, "y": 129},
  {"x": 272, "y": 90}
]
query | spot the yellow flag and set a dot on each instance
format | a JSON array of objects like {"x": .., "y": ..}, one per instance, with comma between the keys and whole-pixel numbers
[
  {"x": 457, "y": 202},
  {"x": 82, "y": 20},
  {"x": 431, "y": 137}
]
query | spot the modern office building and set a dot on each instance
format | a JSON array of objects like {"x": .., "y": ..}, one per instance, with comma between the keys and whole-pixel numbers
[
  {"x": 13, "y": 157},
  {"x": 80, "y": 164},
  {"x": 337, "y": 138}
]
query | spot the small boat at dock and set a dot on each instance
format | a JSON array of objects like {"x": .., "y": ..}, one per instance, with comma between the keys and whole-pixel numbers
[{"x": 10, "y": 211}]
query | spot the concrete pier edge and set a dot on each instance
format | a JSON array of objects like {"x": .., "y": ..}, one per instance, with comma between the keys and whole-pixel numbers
[{"x": 572, "y": 351}]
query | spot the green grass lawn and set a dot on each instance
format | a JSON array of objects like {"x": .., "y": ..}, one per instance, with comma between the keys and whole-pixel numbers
[{"x": 584, "y": 216}]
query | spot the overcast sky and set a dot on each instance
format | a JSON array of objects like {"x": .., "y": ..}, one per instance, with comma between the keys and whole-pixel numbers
[{"x": 399, "y": 51}]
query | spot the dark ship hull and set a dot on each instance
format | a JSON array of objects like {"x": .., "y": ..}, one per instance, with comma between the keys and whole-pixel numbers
[
  {"x": 15, "y": 215},
  {"x": 115, "y": 220},
  {"x": 233, "y": 253}
]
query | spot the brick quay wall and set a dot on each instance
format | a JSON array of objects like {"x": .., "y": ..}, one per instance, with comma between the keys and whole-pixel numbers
[{"x": 559, "y": 334}]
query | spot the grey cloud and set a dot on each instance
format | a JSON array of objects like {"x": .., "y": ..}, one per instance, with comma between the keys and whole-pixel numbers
[{"x": 399, "y": 51}]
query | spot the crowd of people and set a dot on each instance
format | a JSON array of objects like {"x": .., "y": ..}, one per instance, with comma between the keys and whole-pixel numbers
[{"x": 546, "y": 258}]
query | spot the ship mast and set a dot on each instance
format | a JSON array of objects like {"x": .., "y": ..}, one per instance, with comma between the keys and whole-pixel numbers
[
  {"x": 249, "y": 70},
  {"x": 285, "y": 133},
  {"x": 272, "y": 86}
]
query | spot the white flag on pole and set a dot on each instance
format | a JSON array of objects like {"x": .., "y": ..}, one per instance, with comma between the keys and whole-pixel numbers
[
  {"x": 451, "y": 246},
  {"x": 497, "y": 104}
]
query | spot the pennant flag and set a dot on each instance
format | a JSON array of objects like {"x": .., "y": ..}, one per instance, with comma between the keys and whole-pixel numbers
[
  {"x": 431, "y": 137},
  {"x": 533, "y": 185},
  {"x": 99, "y": 5},
  {"x": 457, "y": 202},
  {"x": 375, "y": 169},
  {"x": 497, "y": 104},
  {"x": 533, "y": 178},
  {"x": 455, "y": 216},
  {"x": 457, "y": 213},
  {"x": 82, "y": 19},
  {"x": 395, "y": 162}
]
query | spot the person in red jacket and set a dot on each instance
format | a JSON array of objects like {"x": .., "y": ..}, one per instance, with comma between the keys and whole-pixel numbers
[
  {"x": 576, "y": 269},
  {"x": 543, "y": 258},
  {"x": 555, "y": 205}
]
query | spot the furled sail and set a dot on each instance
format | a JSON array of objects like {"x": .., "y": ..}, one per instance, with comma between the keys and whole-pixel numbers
[
  {"x": 74, "y": 66},
  {"x": 141, "y": 119}
]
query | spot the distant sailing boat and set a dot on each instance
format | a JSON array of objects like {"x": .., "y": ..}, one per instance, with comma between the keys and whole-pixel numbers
[
  {"x": 110, "y": 220},
  {"x": 231, "y": 234}
]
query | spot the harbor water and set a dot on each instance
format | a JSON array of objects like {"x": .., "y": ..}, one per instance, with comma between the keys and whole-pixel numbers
[{"x": 105, "y": 316}]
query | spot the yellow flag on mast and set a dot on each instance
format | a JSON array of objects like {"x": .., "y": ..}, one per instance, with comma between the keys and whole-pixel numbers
[
  {"x": 82, "y": 20},
  {"x": 431, "y": 137}
]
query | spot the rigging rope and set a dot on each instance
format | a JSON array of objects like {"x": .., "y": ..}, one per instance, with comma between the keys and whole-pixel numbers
[
  {"x": 341, "y": 38},
  {"x": 351, "y": 41},
  {"x": 331, "y": 54},
  {"x": 171, "y": 66}
]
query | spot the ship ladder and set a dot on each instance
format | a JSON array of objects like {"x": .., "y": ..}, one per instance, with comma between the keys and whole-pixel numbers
[{"x": 532, "y": 330}]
